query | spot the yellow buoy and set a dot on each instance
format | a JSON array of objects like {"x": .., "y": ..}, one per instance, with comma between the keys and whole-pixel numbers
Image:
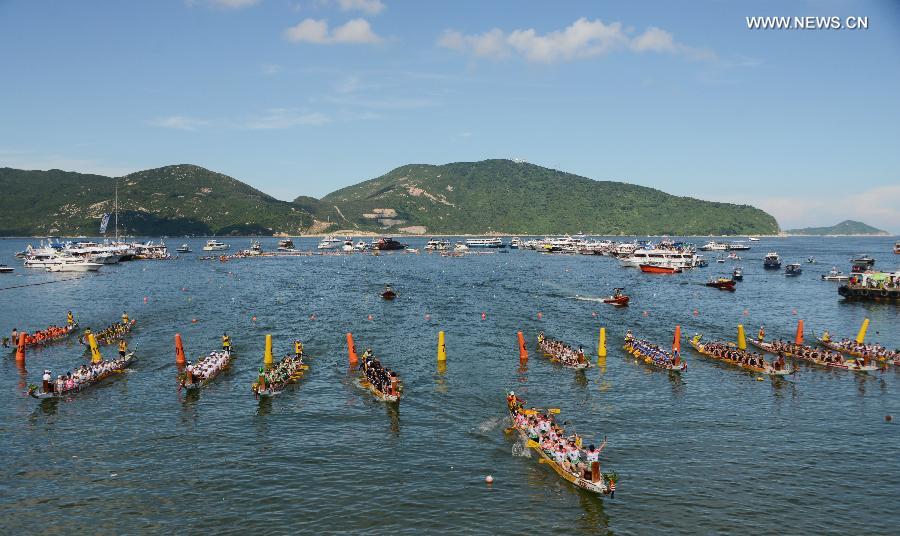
[
  {"x": 861, "y": 336},
  {"x": 742, "y": 339},
  {"x": 267, "y": 357},
  {"x": 442, "y": 348},
  {"x": 95, "y": 352},
  {"x": 601, "y": 344}
]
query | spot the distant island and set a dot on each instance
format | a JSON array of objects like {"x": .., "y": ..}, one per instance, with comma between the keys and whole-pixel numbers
[
  {"x": 845, "y": 228},
  {"x": 487, "y": 197}
]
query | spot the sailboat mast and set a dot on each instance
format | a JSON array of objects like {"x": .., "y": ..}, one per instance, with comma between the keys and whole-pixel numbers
[{"x": 117, "y": 211}]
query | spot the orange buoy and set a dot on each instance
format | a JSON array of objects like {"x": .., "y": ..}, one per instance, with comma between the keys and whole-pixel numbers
[
  {"x": 20, "y": 348},
  {"x": 799, "y": 338},
  {"x": 523, "y": 352},
  {"x": 351, "y": 349},
  {"x": 179, "y": 350}
]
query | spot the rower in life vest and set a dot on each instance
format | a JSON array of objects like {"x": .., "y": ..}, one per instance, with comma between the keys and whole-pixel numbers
[
  {"x": 580, "y": 355},
  {"x": 70, "y": 319},
  {"x": 226, "y": 342},
  {"x": 541, "y": 337},
  {"x": 628, "y": 336},
  {"x": 124, "y": 317},
  {"x": 298, "y": 348},
  {"x": 123, "y": 347},
  {"x": 762, "y": 334}
]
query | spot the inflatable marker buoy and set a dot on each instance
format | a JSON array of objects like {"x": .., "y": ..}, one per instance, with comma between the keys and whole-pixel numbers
[
  {"x": 253, "y": 319},
  {"x": 489, "y": 479},
  {"x": 696, "y": 312},
  {"x": 646, "y": 313},
  {"x": 145, "y": 299},
  {"x": 312, "y": 317},
  {"x": 746, "y": 312},
  {"x": 370, "y": 317},
  {"x": 483, "y": 316},
  {"x": 427, "y": 317},
  {"x": 540, "y": 315},
  {"x": 193, "y": 321},
  {"x": 888, "y": 418},
  {"x": 793, "y": 311},
  {"x": 594, "y": 314}
]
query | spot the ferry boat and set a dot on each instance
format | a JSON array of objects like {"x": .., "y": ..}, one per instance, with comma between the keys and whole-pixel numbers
[
  {"x": 215, "y": 245},
  {"x": 793, "y": 269},
  {"x": 679, "y": 259},
  {"x": 330, "y": 242},
  {"x": 714, "y": 246},
  {"x": 286, "y": 245},
  {"x": 437, "y": 245},
  {"x": 738, "y": 246},
  {"x": 387, "y": 244},
  {"x": 772, "y": 261},
  {"x": 484, "y": 243}
]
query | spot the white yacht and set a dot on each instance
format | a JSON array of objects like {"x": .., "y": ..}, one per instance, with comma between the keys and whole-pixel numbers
[
  {"x": 104, "y": 257},
  {"x": 515, "y": 243},
  {"x": 484, "y": 243},
  {"x": 361, "y": 246},
  {"x": 437, "y": 245},
  {"x": 286, "y": 245},
  {"x": 348, "y": 245},
  {"x": 330, "y": 242},
  {"x": 72, "y": 264},
  {"x": 660, "y": 257},
  {"x": 215, "y": 245}
]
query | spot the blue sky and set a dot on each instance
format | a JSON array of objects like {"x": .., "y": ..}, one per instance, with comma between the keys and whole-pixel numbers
[{"x": 307, "y": 96}]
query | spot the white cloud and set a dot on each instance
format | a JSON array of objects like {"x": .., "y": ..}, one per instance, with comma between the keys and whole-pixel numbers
[
  {"x": 369, "y": 7},
  {"x": 179, "y": 122},
  {"x": 355, "y": 31},
  {"x": 233, "y": 4},
  {"x": 281, "y": 118},
  {"x": 582, "y": 39}
]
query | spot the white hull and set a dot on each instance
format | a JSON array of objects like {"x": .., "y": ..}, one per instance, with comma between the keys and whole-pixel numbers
[{"x": 74, "y": 267}]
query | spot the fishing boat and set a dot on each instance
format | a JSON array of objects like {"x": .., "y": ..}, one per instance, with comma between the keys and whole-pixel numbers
[
  {"x": 48, "y": 336},
  {"x": 806, "y": 353},
  {"x": 111, "y": 334},
  {"x": 485, "y": 243},
  {"x": 286, "y": 245},
  {"x": 290, "y": 369},
  {"x": 215, "y": 245},
  {"x": 772, "y": 261},
  {"x": 737, "y": 274},
  {"x": 183, "y": 248},
  {"x": 4, "y": 269},
  {"x": 387, "y": 244},
  {"x": 659, "y": 269},
  {"x": 855, "y": 349},
  {"x": 561, "y": 353},
  {"x": 618, "y": 298},
  {"x": 835, "y": 275},
  {"x": 206, "y": 369},
  {"x": 778, "y": 368},
  {"x": 653, "y": 355},
  {"x": 388, "y": 293},
  {"x": 596, "y": 483},
  {"x": 117, "y": 366},
  {"x": 721, "y": 283}
]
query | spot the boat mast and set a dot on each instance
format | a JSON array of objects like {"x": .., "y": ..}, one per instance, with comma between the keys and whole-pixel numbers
[{"x": 117, "y": 210}]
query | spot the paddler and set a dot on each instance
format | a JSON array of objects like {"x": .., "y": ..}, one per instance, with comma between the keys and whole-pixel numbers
[
  {"x": 123, "y": 347},
  {"x": 226, "y": 342},
  {"x": 189, "y": 374},
  {"x": 298, "y": 348},
  {"x": 47, "y": 383},
  {"x": 762, "y": 334},
  {"x": 124, "y": 317},
  {"x": 70, "y": 319},
  {"x": 541, "y": 338}
]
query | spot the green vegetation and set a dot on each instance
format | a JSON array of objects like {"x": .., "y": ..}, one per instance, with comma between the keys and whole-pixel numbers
[
  {"x": 846, "y": 227},
  {"x": 493, "y": 196},
  {"x": 509, "y": 197},
  {"x": 171, "y": 200}
]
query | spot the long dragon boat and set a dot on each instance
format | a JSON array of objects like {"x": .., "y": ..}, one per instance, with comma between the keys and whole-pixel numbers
[
  {"x": 48, "y": 336},
  {"x": 852, "y": 348},
  {"x": 653, "y": 355},
  {"x": 773, "y": 369},
  {"x": 288, "y": 371},
  {"x": 596, "y": 483},
  {"x": 555, "y": 350},
  {"x": 193, "y": 379},
  {"x": 118, "y": 366},
  {"x": 794, "y": 352},
  {"x": 371, "y": 368},
  {"x": 111, "y": 334}
]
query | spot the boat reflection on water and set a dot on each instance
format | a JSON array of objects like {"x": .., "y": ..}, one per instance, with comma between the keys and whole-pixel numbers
[
  {"x": 393, "y": 411},
  {"x": 595, "y": 517},
  {"x": 581, "y": 378},
  {"x": 440, "y": 383},
  {"x": 265, "y": 407}
]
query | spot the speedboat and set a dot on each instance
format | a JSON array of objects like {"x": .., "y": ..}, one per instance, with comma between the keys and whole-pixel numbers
[
  {"x": 660, "y": 268},
  {"x": 737, "y": 274},
  {"x": 733, "y": 256},
  {"x": 348, "y": 245},
  {"x": 330, "y": 242},
  {"x": 811, "y": 260},
  {"x": 215, "y": 245},
  {"x": 793, "y": 268},
  {"x": 772, "y": 261},
  {"x": 286, "y": 245},
  {"x": 387, "y": 244},
  {"x": 184, "y": 248},
  {"x": 753, "y": 239},
  {"x": 835, "y": 275},
  {"x": 618, "y": 298},
  {"x": 361, "y": 246}
]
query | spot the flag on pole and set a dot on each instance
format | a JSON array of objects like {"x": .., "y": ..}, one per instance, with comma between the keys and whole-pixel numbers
[{"x": 104, "y": 222}]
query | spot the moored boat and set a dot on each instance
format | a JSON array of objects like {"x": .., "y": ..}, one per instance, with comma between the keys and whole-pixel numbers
[
  {"x": 286, "y": 245},
  {"x": 835, "y": 275},
  {"x": 559, "y": 352},
  {"x": 4, "y": 269},
  {"x": 206, "y": 369},
  {"x": 822, "y": 358},
  {"x": 772, "y": 261},
  {"x": 82, "y": 378},
  {"x": 721, "y": 283},
  {"x": 387, "y": 244},
  {"x": 72, "y": 264},
  {"x": 437, "y": 245},
  {"x": 561, "y": 453},
  {"x": 732, "y": 355},
  {"x": 793, "y": 269},
  {"x": 737, "y": 274},
  {"x": 713, "y": 246},
  {"x": 485, "y": 243},
  {"x": 215, "y": 245},
  {"x": 659, "y": 269},
  {"x": 183, "y": 248}
]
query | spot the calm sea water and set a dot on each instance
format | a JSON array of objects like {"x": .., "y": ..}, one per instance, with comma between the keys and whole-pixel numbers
[{"x": 713, "y": 452}]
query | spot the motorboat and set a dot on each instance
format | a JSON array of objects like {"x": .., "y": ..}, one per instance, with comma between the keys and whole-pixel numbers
[
  {"x": 4, "y": 269},
  {"x": 104, "y": 258},
  {"x": 737, "y": 274},
  {"x": 835, "y": 275},
  {"x": 348, "y": 245},
  {"x": 215, "y": 245},
  {"x": 811, "y": 260},
  {"x": 793, "y": 269},
  {"x": 720, "y": 260},
  {"x": 721, "y": 283},
  {"x": 862, "y": 264},
  {"x": 387, "y": 244},
  {"x": 73, "y": 264},
  {"x": 714, "y": 246},
  {"x": 286, "y": 245},
  {"x": 516, "y": 243},
  {"x": 681, "y": 259},
  {"x": 183, "y": 248},
  {"x": 733, "y": 256},
  {"x": 659, "y": 268},
  {"x": 437, "y": 245},
  {"x": 772, "y": 261},
  {"x": 753, "y": 239},
  {"x": 330, "y": 242},
  {"x": 618, "y": 298},
  {"x": 484, "y": 243},
  {"x": 361, "y": 246},
  {"x": 897, "y": 248},
  {"x": 738, "y": 246}
]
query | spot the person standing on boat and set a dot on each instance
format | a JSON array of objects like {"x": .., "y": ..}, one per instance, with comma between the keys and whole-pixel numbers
[
  {"x": 261, "y": 381},
  {"x": 762, "y": 334},
  {"x": 47, "y": 383},
  {"x": 826, "y": 337},
  {"x": 298, "y": 348},
  {"x": 124, "y": 317},
  {"x": 226, "y": 342},
  {"x": 70, "y": 319},
  {"x": 123, "y": 347}
]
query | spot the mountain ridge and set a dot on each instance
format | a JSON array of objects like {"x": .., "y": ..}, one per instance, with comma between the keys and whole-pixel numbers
[{"x": 844, "y": 228}]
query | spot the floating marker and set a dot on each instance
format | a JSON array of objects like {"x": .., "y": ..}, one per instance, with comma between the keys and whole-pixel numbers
[
  {"x": 540, "y": 315},
  {"x": 696, "y": 312},
  {"x": 742, "y": 339},
  {"x": 312, "y": 317},
  {"x": 370, "y": 317},
  {"x": 20, "y": 349},
  {"x": 793, "y": 311},
  {"x": 489, "y": 479},
  {"x": 594, "y": 314},
  {"x": 799, "y": 338},
  {"x": 646, "y": 313},
  {"x": 427, "y": 316},
  {"x": 746, "y": 312},
  {"x": 861, "y": 336},
  {"x": 351, "y": 349},
  {"x": 601, "y": 344},
  {"x": 442, "y": 348},
  {"x": 267, "y": 357},
  {"x": 483, "y": 316},
  {"x": 179, "y": 350},
  {"x": 523, "y": 352},
  {"x": 253, "y": 319},
  {"x": 145, "y": 299},
  {"x": 193, "y": 321},
  {"x": 676, "y": 342}
]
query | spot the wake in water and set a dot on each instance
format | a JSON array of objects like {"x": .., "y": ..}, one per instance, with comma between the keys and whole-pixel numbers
[
  {"x": 490, "y": 425},
  {"x": 519, "y": 449}
]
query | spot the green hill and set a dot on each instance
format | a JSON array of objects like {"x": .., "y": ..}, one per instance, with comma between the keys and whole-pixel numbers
[
  {"x": 846, "y": 227},
  {"x": 171, "y": 200},
  {"x": 504, "y": 196}
]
